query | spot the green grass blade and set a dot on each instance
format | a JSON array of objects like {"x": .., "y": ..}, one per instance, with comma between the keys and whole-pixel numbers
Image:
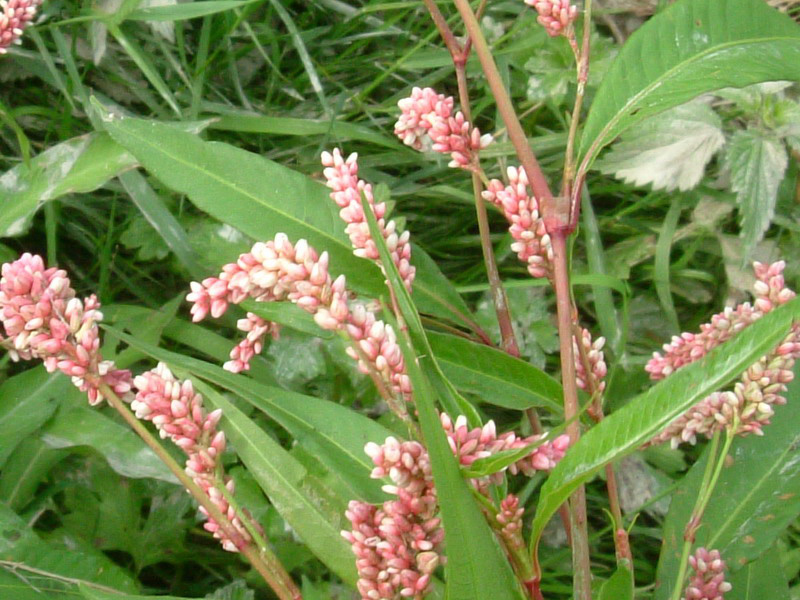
[
  {"x": 182, "y": 12},
  {"x": 688, "y": 49},
  {"x": 648, "y": 414}
]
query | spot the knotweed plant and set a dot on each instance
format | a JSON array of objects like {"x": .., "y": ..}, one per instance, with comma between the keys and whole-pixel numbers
[{"x": 443, "y": 462}]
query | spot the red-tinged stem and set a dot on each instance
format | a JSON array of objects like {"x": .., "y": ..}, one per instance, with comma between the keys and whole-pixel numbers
[
  {"x": 262, "y": 559},
  {"x": 459, "y": 56}
]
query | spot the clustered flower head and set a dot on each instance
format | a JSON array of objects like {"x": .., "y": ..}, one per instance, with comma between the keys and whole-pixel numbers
[
  {"x": 279, "y": 270},
  {"x": 708, "y": 581},
  {"x": 397, "y": 545},
  {"x": 555, "y": 16},
  {"x": 749, "y": 406},
  {"x": 427, "y": 120},
  {"x": 342, "y": 178},
  {"x": 510, "y": 517},
  {"x": 521, "y": 209},
  {"x": 469, "y": 445},
  {"x": 14, "y": 18},
  {"x": 177, "y": 412},
  {"x": 42, "y": 319},
  {"x": 596, "y": 359}
]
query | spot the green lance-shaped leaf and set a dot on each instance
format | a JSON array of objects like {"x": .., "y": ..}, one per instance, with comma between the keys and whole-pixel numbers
[
  {"x": 79, "y": 165},
  {"x": 649, "y": 413},
  {"x": 308, "y": 506},
  {"x": 95, "y": 594},
  {"x": 756, "y": 498},
  {"x": 476, "y": 565},
  {"x": 690, "y": 48},
  {"x": 497, "y": 377},
  {"x": 334, "y": 433},
  {"x": 23, "y": 553},
  {"x": 27, "y": 400},
  {"x": 760, "y": 580},
  {"x": 619, "y": 586},
  {"x": 757, "y": 162},
  {"x": 261, "y": 198},
  {"x": 181, "y": 12}
]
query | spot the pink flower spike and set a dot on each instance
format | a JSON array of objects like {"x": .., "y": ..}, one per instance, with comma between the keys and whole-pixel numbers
[
  {"x": 16, "y": 15},
  {"x": 708, "y": 581},
  {"x": 554, "y": 15}
]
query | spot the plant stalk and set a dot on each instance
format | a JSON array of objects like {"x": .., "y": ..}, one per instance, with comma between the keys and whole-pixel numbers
[{"x": 263, "y": 561}]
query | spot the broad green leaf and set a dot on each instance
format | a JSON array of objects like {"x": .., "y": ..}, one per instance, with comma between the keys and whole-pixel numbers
[
  {"x": 669, "y": 150},
  {"x": 79, "y": 165},
  {"x": 125, "y": 452},
  {"x": 761, "y": 579},
  {"x": 619, "y": 586},
  {"x": 757, "y": 162},
  {"x": 288, "y": 314},
  {"x": 334, "y": 433},
  {"x": 261, "y": 198},
  {"x": 497, "y": 377},
  {"x": 690, "y": 48},
  {"x": 25, "y": 470},
  {"x": 19, "y": 544},
  {"x": 181, "y": 12},
  {"x": 756, "y": 498},
  {"x": 27, "y": 400},
  {"x": 308, "y": 507},
  {"x": 339, "y": 130},
  {"x": 478, "y": 569},
  {"x": 649, "y": 413}
]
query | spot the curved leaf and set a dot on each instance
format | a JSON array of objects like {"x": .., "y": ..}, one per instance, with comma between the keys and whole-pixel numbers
[
  {"x": 649, "y": 413},
  {"x": 756, "y": 498},
  {"x": 307, "y": 505},
  {"x": 497, "y": 377},
  {"x": 261, "y": 198},
  {"x": 690, "y": 48}
]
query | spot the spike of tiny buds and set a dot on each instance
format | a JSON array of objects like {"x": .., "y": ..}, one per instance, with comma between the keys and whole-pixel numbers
[
  {"x": 510, "y": 518},
  {"x": 749, "y": 405},
  {"x": 177, "y": 412},
  {"x": 397, "y": 545},
  {"x": 342, "y": 178},
  {"x": 44, "y": 320},
  {"x": 16, "y": 15},
  {"x": 556, "y": 16},
  {"x": 279, "y": 270},
  {"x": 531, "y": 241},
  {"x": 592, "y": 351},
  {"x": 708, "y": 581},
  {"x": 427, "y": 121}
]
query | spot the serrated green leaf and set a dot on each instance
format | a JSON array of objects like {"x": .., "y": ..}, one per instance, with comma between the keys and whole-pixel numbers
[
  {"x": 81, "y": 164},
  {"x": 19, "y": 544},
  {"x": 27, "y": 400},
  {"x": 307, "y": 505},
  {"x": 757, "y": 496},
  {"x": 261, "y": 198},
  {"x": 757, "y": 162},
  {"x": 669, "y": 150},
  {"x": 498, "y": 378},
  {"x": 690, "y": 48},
  {"x": 649, "y": 413}
]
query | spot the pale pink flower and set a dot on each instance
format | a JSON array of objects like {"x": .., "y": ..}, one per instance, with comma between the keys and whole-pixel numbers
[
  {"x": 469, "y": 445},
  {"x": 554, "y": 15},
  {"x": 708, "y": 581},
  {"x": 43, "y": 319},
  {"x": 397, "y": 545},
  {"x": 342, "y": 178},
  {"x": 749, "y": 406},
  {"x": 427, "y": 120},
  {"x": 596, "y": 359},
  {"x": 16, "y": 15},
  {"x": 177, "y": 412},
  {"x": 531, "y": 241},
  {"x": 510, "y": 518},
  {"x": 278, "y": 270}
]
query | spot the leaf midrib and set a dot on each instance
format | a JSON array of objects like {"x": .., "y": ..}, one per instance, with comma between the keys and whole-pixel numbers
[{"x": 666, "y": 75}]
